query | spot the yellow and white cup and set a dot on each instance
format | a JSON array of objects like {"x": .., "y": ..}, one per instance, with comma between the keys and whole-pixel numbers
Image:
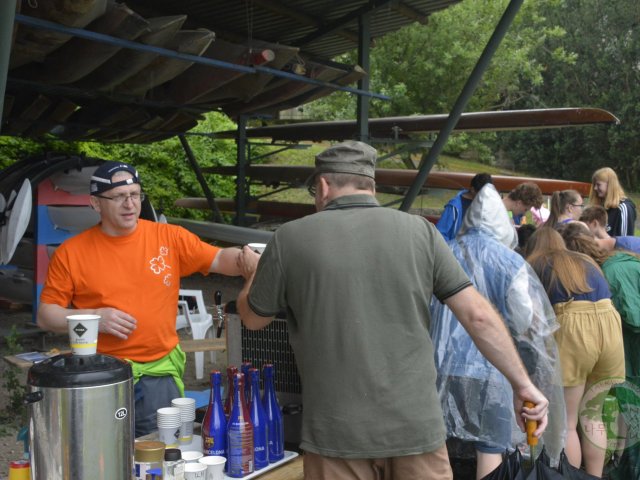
[{"x": 83, "y": 333}]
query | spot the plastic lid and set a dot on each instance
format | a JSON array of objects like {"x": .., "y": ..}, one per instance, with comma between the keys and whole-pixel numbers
[
  {"x": 150, "y": 452},
  {"x": 172, "y": 454},
  {"x": 69, "y": 371}
]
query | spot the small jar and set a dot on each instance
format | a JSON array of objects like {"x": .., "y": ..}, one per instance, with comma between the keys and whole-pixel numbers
[
  {"x": 147, "y": 456},
  {"x": 173, "y": 465}
]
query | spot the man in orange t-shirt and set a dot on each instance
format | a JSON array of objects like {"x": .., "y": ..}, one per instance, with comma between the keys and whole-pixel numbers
[{"x": 128, "y": 270}]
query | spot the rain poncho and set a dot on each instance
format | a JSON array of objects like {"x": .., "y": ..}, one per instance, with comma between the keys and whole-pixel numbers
[{"x": 476, "y": 398}]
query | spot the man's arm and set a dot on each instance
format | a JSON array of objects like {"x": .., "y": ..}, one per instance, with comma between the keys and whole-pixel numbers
[
  {"x": 227, "y": 262},
  {"x": 492, "y": 338},
  {"x": 115, "y": 322},
  {"x": 248, "y": 265}
]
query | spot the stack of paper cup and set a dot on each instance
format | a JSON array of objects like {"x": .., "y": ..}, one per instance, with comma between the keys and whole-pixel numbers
[
  {"x": 187, "y": 407},
  {"x": 169, "y": 426}
]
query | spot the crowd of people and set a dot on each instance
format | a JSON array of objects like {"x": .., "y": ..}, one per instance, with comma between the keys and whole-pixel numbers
[
  {"x": 587, "y": 259},
  {"x": 405, "y": 333}
]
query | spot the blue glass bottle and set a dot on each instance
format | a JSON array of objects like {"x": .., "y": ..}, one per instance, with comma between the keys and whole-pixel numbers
[
  {"x": 244, "y": 368},
  {"x": 239, "y": 433},
  {"x": 275, "y": 421},
  {"x": 214, "y": 424},
  {"x": 259, "y": 422}
]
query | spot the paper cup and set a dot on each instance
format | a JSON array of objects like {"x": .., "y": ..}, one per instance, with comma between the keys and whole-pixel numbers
[
  {"x": 169, "y": 436},
  {"x": 215, "y": 467},
  {"x": 257, "y": 247},
  {"x": 187, "y": 407},
  {"x": 194, "y": 471},
  {"x": 83, "y": 333},
  {"x": 191, "y": 457}
]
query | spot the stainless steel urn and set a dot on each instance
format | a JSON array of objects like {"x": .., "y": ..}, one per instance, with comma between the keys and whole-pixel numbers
[{"x": 81, "y": 420}]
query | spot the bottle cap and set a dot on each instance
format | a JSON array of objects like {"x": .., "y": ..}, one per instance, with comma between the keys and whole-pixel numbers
[
  {"x": 172, "y": 454},
  {"x": 19, "y": 464}
]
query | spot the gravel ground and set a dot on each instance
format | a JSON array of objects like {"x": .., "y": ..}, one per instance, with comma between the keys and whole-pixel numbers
[{"x": 10, "y": 448}]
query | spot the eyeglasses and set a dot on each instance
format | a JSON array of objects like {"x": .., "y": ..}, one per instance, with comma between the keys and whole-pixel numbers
[
  {"x": 312, "y": 189},
  {"x": 121, "y": 198},
  {"x": 581, "y": 205}
]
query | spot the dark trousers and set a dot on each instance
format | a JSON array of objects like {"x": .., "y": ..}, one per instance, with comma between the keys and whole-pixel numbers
[{"x": 152, "y": 393}]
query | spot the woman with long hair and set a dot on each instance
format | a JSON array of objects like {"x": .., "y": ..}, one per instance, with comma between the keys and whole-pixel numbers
[
  {"x": 589, "y": 339},
  {"x": 607, "y": 192},
  {"x": 566, "y": 206},
  {"x": 622, "y": 270}
]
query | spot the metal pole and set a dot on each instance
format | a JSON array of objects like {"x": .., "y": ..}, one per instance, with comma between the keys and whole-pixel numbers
[
  {"x": 364, "y": 42},
  {"x": 461, "y": 102},
  {"x": 7, "y": 16},
  {"x": 211, "y": 201},
  {"x": 241, "y": 166}
]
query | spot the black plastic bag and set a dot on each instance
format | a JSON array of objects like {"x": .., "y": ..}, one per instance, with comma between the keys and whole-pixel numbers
[
  {"x": 509, "y": 469},
  {"x": 542, "y": 469},
  {"x": 573, "y": 473}
]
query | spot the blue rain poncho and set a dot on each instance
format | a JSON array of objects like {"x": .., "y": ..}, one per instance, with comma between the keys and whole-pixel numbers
[{"x": 477, "y": 400}]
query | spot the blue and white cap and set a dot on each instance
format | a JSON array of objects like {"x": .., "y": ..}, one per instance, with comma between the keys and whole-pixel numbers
[{"x": 101, "y": 178}]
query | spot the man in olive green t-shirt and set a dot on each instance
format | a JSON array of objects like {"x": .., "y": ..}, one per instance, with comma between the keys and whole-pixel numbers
[{"x": 356, "y": 280}]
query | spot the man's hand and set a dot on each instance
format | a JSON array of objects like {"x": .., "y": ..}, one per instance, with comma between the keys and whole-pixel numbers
[
  {"x": 116, "y": 322},
  {"x": 539, "y": 412},
  {"x": 248, "y": 262}
]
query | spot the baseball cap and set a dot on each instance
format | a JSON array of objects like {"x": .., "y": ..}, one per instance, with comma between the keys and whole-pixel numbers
[
  {"x": 101, "y": 178},
  {"x": 353, "y": 157}
]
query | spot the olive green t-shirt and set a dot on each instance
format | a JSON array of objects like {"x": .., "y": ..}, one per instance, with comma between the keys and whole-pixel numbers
[{"x": 356, "y": 281}]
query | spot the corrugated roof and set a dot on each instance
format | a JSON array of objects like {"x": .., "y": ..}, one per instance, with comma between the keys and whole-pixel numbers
[{"x": 92, "y": 83}]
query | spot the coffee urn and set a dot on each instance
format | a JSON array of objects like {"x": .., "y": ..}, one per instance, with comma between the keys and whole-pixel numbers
[{"x": 81, "y": 419}]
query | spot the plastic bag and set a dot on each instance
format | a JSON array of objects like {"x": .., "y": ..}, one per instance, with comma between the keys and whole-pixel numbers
[
  {"x": 569, "y": 471},
  {"x": 509, "y": 469},
  {"x": 476, "y": 398}
]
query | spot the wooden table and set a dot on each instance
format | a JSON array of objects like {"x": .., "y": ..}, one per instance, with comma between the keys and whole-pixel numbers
[
  {"x": 187, "y": 345},
  {"x": 289, "y": 471}
]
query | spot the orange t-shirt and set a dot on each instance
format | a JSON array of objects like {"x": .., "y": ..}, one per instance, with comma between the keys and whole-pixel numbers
[{"x": 138, "y": 274}]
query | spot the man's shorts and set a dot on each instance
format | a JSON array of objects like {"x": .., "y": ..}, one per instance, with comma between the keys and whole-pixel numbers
[
  {"x": 432, "y": 465},
  {"x": 152, "y": 393}
]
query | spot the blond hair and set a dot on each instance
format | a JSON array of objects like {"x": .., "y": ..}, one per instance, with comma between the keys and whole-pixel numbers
[
  {"x": 615, "y": 193},
  {"x": 556, "y": 265}
]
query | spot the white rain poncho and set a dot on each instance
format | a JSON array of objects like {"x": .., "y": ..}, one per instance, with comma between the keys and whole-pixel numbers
[{"x": 477, "y": 400}]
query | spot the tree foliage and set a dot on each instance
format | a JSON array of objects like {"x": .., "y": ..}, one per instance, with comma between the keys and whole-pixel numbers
[
  {"x": 605, "y": 38},
  {"x": 164, "y": 168},
  {"x": 423, "y": 68}
]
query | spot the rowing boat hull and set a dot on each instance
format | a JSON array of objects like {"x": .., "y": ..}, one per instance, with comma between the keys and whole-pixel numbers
[
  {"x": 32, "y": 44},
  {"x": 403, "y": 127},
  {"x": 80, "y": 56},
  {"x": 389, "y": 177}
]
